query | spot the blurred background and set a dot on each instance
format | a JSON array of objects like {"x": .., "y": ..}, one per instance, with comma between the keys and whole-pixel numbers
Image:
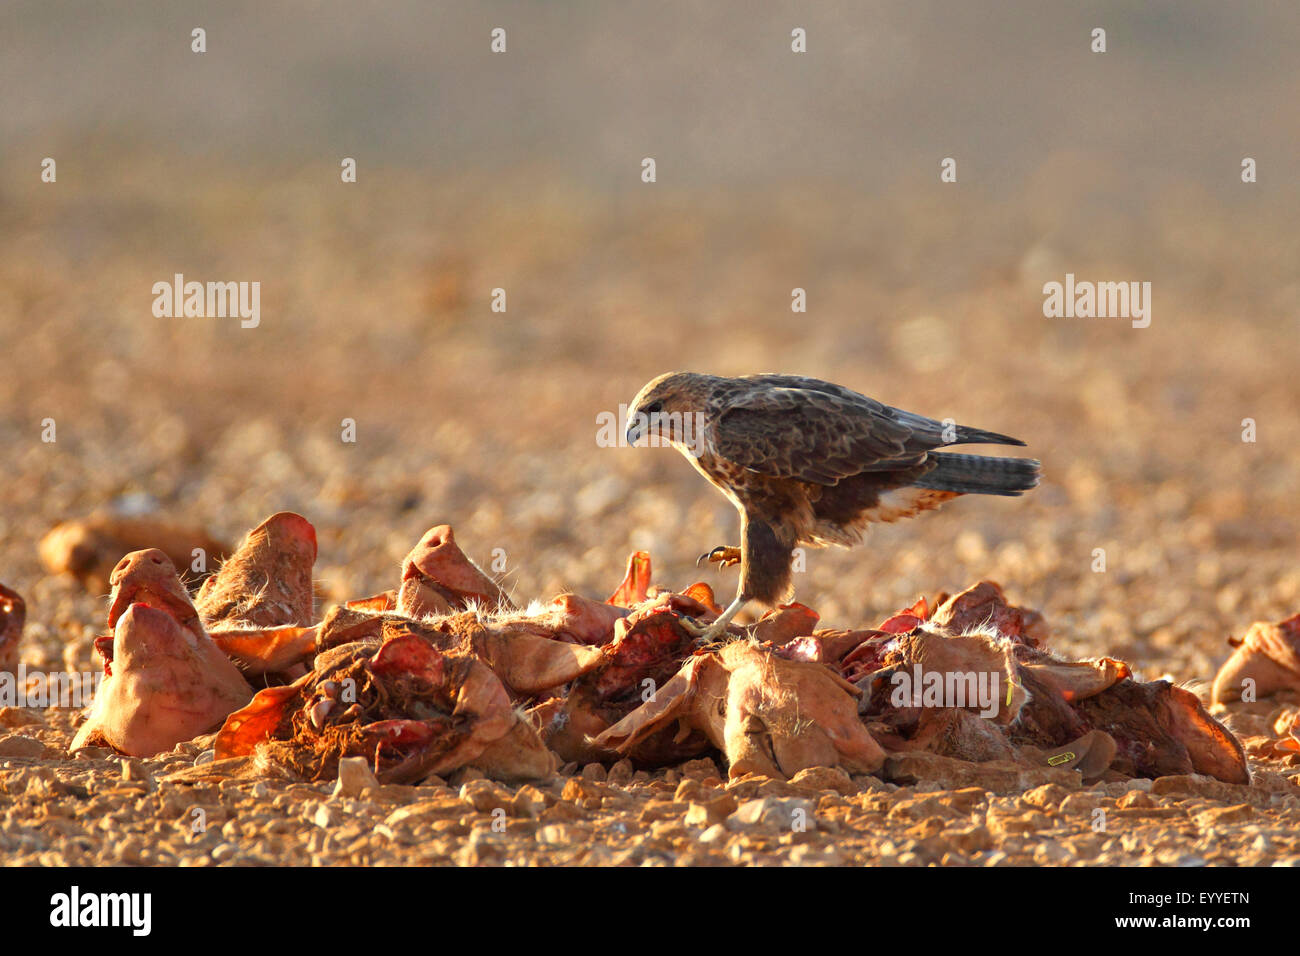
[{"x": 775, "y": 170}]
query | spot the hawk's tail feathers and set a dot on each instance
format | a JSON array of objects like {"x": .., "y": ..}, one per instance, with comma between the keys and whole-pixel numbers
[
  {"x": 978, "y": 436},
  {"x": 980, "y": 474}
]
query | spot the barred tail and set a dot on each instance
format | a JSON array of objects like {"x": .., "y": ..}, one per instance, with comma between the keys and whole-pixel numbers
[{"x": 980, "y": 475}]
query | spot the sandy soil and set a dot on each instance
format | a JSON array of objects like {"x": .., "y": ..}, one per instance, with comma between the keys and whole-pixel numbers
[{"x": 378, "y": 310}]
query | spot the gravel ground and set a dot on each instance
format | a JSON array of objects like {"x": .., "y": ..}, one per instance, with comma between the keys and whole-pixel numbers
[
  {"x": 488, "y": 421},
  {"x": 920, "y": 810}
]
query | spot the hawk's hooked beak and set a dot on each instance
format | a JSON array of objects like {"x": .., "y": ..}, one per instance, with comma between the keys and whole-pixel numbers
[{"x": 636, "y": 427}]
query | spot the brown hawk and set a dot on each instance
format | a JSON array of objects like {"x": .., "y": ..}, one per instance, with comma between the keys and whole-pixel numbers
[{"x": 809, "y": 462}]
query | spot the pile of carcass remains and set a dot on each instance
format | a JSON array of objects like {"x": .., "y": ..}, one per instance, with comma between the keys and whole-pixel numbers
[{"x": 444, "y": 671}]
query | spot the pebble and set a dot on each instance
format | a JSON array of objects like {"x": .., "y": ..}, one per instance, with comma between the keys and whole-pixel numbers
[
  {"x": 529, "y": 802},
  {"x": 486, "y": 796},
  {"x": 355, "y": 777},
  {"x": 805, "y": 855},
  {"x": 1220, "y": 816},
  {"x": 20, "y": 745},
  {"x": 714, "y": 834},
  {"x": 1046, "y": 797},
  {"x": 824, "y": 778},
  {"x": 1135, "y": 799},
  {"x": 711, "y": 812},
  {"x": 775, "y": 812},
  {"x": 324, "y": 817}
]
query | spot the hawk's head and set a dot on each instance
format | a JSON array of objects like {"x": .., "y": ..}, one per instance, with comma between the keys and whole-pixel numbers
[{"x": 670, "y": 408}]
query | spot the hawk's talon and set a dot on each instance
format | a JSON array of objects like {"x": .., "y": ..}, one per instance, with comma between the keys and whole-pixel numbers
[
  {"x": 691, "y": 626},
  {"x": 724, "y": 556},
  {"x": 704, "y": 634}
]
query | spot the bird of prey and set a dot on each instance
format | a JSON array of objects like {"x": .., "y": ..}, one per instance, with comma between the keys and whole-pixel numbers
[{"x": 809, "y": 462}]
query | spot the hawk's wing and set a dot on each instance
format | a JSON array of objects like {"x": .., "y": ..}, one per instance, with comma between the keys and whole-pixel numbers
[{"x": 814, "y": 435}]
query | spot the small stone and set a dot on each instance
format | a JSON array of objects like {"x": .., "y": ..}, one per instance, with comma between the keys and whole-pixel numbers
[
  {"x": 1219, "y": 816},
  {"x": 701, "y": 769},
  {"x": 930, "y": 826},
  {"x": 966, "y": 799},
  {"x": 919, "y": 808},
  {"x": 1047, "y": 796},
  {"x": 561, "y": 834},
  {"x": 807, "y": 855},
  {"x": 711, "y": 812},
  {"x": 1009, "y": 823},
  {"x": 130, "y": 849},
  {"x": 657, "y": 810},
  {"x": 561, "y": 812},
  {"x": 793, "y": 813},
  {"x": 20, "y": 745},
  {"x": 483, "y": 846},
  {"x": 936, "y": 772},
  {"x": 11, "y": 717},
  {"x": 620, "y": 773},
  {"x": 323, "y": 817},
  {"x": 689, "y": 789},
  {"x": 134, "y": 771},
  {"x": 464, "y": 775},
  {"x": 1117, "y": 788},
  {"x": 1081, "y": 803},
  {"x": 426, "y": 811},
  {"x": 1207, "y": 787},
  {"x": 1050, "y": 853},
  {"x": 578, "y": 790},
  {"x": 224, "y": 851},
  {"x": 486, "y": 796},
  {"x": 594, "y": 771},
  {"x": 354, "y": 777},
  {"x": 1135, "y": 799},
  {"x": 817, "y": 779},
  {"x": 970, "y": 839},
  {"x": 529, "y": 802},
  {"x": 868, "y": 783},
  {"x": 717, "y": 832}
]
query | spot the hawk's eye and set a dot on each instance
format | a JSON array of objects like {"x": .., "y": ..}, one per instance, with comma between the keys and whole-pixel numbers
[{"x": 654, "y": 408}]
